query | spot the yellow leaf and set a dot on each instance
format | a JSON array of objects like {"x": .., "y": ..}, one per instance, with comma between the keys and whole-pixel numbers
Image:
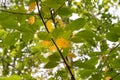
[
  {"x": 31, "y": 20},
  {"x": 71, "y": 55},
  {"x": 49, "y": 25},
  {"x": 46, "y": 43},
  {"x": 32, "y": 6},
  {"x": 62, "y": 43},
  {"x": 52, "y": 48},
  {"x": 108, "y": 78}
]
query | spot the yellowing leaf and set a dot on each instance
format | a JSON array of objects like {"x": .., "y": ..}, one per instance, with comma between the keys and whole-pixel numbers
[
  {"x": 106, "y": 69},
  {"x": 62, "y": 43},
  {"x": 61, "y": 23},
  {"x": 31, "y": 20},
  {"x": 108, "y": 78},
  {"x": 71, "y": 55},
  {"x": 52, "y": 48},
  {"x": 46, "y": 43},
  {"x": 32, "y": 6},
  {"x": 49, "y": 25}
]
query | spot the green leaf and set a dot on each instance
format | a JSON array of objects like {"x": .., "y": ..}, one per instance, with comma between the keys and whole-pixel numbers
[
  {"x": 11, "y": 38},
  {"x": 12, "y": 77},
  {"x": 8, "y": 21},
  {"x": 54, "y": 57},
  {"x": 115, "y": 0},
  {"x": 65, "y": 52},
  {"x": 76, "y": 24},
  {"x": 21, "y": 18},
  {"x": 62, "y": 74},
  {"x": 51, "y": 64},
  {"x": 3, "y": 16},
  {"x": 43, "y": 35},
  {"x": 115, "y": 29},
  {"x": 85, "y": 73},
  {"x": 96, "y": 77},
  {"x": 55, "y": 4},
  {"x": 27, "y": 36},
  {"x": 116, "y": 63},
  {"x": 45, "y": 11},
  {"x": 25, "y": 28},
  {"x": 76, "y": 39},
  {"x": 84, "y": 65},
  {"x": 57, "y": 32},
  {"x": 84, "y": 36},
  {"x": 3, "y": 34},
  {"x": 103, "y": 46},
  {"x": 65, "y": 12},
  {"x": 111, "y": 36}
]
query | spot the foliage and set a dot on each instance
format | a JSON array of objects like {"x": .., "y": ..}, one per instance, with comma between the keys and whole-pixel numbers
[{"x": 39, "y": 35}]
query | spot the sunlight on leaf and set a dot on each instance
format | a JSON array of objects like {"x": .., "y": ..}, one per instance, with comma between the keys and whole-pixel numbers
[
  {"x": 62, "y": 43},
  {"x": 49, "y": 25},
  {"x": 31, "y": 20},
  {"x": 108, "y": 78},
  {"x": 46, "y": 43},
  {"x": 52, "y": 48},
  {"x": 32, "y": 6}
]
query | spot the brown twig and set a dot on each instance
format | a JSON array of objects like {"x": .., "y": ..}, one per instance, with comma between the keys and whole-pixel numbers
[
  {"x": 52, "y": 16},
  {"x": 68, "y": 67}
]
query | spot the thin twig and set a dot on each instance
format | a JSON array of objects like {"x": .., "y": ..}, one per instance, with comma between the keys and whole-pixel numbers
[
  {"x": 55, "y": 12},
  {"x": 12, "y": 12},
  {"x": 17, "y": 12},
  {"x": 40, "y": 15},
  {"x": 73, "y": 78},
  {"x": 52, "y": 16},
  {"x": 107, "y": 57}
]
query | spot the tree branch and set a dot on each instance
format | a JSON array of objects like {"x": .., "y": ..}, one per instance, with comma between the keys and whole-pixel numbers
[
  {"x": 17, "y": 12},
  {"x": 68, "y": 67},
  {"x": 107, "y": 57}
]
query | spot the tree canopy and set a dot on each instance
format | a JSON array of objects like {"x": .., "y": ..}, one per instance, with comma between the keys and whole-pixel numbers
[{"x": 59, "y": 40}]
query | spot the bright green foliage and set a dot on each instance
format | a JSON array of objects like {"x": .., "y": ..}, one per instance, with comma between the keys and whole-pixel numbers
[
  {"x": 12, "y": 77},
  {"x": 78, "y": 24},
  {"x": 81, "y": 45}
]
